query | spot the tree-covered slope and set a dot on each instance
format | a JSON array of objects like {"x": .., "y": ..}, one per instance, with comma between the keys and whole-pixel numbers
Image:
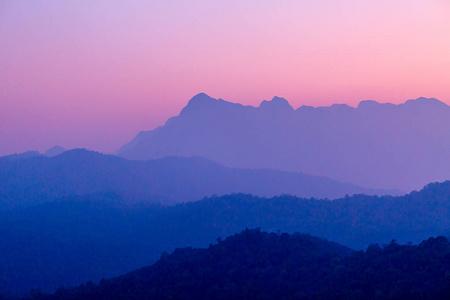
[
  {"x": 260, "y": 265},
  {"x": 70, "y": 241}
]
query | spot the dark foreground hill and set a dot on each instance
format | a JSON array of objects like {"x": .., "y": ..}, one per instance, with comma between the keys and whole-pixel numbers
[
  {"x": 378, "y": 145},
  {"x": 32, "y": 179},
  {"x": 71, "y": 241},
  {"x": 260, "y": 265}
]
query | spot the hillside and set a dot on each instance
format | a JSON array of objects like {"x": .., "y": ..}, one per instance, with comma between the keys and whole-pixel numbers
[
  {"x": 32, "y": 179},
  {"x": 73, "y": 240},
  {"x": 375, "y": 145},
  {"x": 259, "y": 265}
]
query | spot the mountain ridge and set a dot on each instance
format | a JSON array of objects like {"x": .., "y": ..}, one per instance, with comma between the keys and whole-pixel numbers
[
  {"x": 400, "y": 146},
  {"x": 37, "y": 179},
  {"x": 72, "y": 240},
  {"x": 205, "y": 98}
]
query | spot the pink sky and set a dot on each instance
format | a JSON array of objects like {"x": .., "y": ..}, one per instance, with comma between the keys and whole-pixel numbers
[{"x": 94, "y": 73}]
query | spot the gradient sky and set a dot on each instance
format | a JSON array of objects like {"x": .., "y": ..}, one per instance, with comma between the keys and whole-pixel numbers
[{"x": 94, "y": 73}]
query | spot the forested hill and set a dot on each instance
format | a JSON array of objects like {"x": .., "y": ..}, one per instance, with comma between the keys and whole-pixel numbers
[
  {"x": 260, "y": 265},
  {"x": 29, "y": 179},
  {"x": 73, "y": 240}
]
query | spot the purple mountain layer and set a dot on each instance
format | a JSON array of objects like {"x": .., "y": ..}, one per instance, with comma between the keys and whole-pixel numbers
[
  {"x": 31, "y": 180},
  {"x": 378, "y": 145}
]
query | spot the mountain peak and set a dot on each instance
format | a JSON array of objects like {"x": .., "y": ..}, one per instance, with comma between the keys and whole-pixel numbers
[
  {"x": 277, "y": 103},
  {"x": 202, "y": 104},
  {"x": 368, "y": 104},
  {"x": 55, "y": 150},
  {"x": 425, "y": 101},
  {"x": 198, "y": 102},
  {"x": 200, "y": 99}
]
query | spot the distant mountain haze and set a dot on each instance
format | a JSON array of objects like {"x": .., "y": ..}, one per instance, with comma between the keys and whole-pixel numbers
[
  {"x": 377, "y": 145},
  {"x": 31, "y": 178},
  {"x": 56, "y": 150}
]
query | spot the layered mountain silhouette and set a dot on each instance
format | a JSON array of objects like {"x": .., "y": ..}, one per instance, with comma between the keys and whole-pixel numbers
[
  {"x": 377, "y": 145},
  {"x": 261, "y": 265},
  {"x": 20, "y": 156},
  {"x": 72, "y": 240},
  {"x": 36, "y": 179},
  {"x": 53, "y": 151}
]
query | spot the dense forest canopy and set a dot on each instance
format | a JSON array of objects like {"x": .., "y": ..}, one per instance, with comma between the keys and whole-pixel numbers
[
  {"x": 73, "y": 240},
  {"x": 261, "y": 265}
]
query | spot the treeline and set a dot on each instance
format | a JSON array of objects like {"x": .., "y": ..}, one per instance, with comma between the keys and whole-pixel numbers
[
  {"x": 74, "y": 240},
  {"x": 261, "y": 265}
]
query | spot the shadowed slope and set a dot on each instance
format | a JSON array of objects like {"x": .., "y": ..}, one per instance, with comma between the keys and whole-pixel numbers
[
  {"x": 259, "y": 265},
  {"x": 73, "y": 240}
]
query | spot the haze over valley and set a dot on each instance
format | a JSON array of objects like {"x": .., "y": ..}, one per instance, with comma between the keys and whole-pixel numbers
[{"x": 224, "y": 150}]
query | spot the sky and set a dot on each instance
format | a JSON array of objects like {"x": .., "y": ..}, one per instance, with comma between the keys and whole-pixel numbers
[{"x": 93, "y": 74}]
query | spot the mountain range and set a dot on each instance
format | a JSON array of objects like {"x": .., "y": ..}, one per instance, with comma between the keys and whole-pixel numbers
[
  {"x": 220, "y": 167},
  {"x": 31, "y": 178},
  {"x": 375, "y": 145}
]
